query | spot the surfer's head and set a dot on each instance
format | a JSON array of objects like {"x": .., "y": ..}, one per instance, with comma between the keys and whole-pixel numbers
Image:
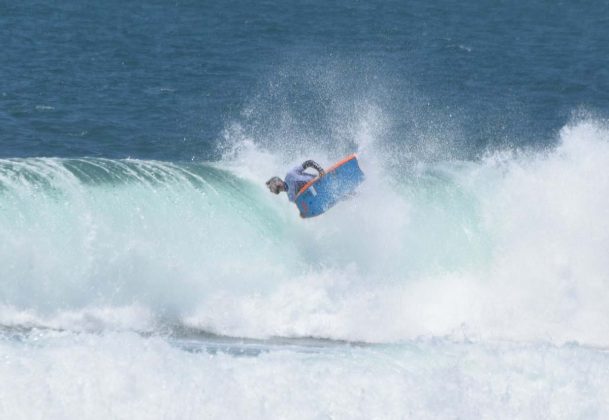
[{"x": 275, "y": 185}]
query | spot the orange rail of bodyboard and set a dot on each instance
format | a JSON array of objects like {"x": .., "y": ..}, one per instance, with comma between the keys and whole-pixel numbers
[{"x": 330, "y": 169}]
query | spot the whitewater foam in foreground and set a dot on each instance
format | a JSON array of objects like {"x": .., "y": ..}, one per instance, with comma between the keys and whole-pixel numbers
[
  {"x": 125, "y": 376},
  {"x": 446, "y": 289}
]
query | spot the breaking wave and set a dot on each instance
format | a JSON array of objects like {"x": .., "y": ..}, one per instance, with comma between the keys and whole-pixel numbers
[{"x": 509, "y": 246}]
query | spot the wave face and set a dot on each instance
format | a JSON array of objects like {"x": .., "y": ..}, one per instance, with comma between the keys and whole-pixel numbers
[{"x": 512, "y": 246}]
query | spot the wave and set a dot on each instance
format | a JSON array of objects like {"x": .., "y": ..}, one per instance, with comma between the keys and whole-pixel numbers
[{"x": 511, "y": 246}]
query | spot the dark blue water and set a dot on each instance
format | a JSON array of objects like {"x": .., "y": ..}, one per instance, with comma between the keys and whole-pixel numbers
[{"x": 163, "y": 79}]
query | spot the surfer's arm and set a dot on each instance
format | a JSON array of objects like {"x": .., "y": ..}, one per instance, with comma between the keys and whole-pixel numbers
[{"x": 314, "y": 165}]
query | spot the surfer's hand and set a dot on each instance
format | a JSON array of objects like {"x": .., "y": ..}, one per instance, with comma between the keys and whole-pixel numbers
[{"x": 313, "y": 164}]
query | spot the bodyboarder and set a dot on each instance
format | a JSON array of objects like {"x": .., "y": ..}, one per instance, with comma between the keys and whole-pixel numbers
[{"x": 294, "y": 180}]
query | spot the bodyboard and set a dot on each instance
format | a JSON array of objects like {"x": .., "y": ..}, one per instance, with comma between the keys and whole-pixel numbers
[{"x": 322, "y": 193}]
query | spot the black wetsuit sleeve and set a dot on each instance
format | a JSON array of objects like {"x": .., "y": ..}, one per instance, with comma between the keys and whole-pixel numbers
[{"x": 315, "y": 165}]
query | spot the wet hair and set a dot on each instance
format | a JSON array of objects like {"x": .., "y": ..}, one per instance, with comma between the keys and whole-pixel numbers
[{"x": 274, "y": 183}]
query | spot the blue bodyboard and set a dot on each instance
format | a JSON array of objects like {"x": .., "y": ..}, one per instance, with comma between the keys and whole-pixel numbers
[{"x": 339, "y": 182}]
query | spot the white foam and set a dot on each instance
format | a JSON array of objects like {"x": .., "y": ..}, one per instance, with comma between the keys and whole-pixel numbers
[
  {"x": 92, "y": 319},
  {"x": 513, "y": 247},
  {"x": 125, "y": 376}
]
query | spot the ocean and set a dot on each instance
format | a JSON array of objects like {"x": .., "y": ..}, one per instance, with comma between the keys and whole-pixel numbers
[{"x": 146, "y": 271}]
